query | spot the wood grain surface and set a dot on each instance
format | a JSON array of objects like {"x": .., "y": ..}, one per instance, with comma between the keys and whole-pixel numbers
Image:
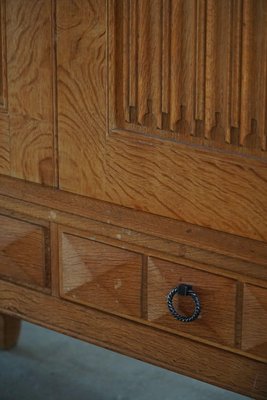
[
  {"x": 203, "y": 185},
  {"x": 22, "y": 252},
  {"x": 3, "y": 60},
  {"x": 234, "y": 371},
  {"x": 81, "y": 52},
  {"x": 192, "y": 67},
  {"x": 87, "y": 240},
  {"x": 70, "y": 209},
  {"x": 27, "y": 142},
  {"x": 217, "y": 297},
  {"x": 4, "y": 144},
  {"x": 88, "y": 249},
  {"x": 149, "y": 119},
  {"x": 100, "y": 275},
  {"x": 9, "y": 331},
  {"x": 254, "y": 338}
]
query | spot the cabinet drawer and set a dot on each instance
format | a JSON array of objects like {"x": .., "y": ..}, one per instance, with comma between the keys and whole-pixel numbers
[
  {"x": 22, "y": 252},
  {"x": 217, "y": 295},
  {"x": 100, "y": 275},
  {"x": 254, "y": 332}
]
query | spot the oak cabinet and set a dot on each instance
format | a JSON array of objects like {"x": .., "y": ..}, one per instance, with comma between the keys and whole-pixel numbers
[{"x": 133, "y": 159}]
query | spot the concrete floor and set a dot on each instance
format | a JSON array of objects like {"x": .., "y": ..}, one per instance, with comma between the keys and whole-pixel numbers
[{"x": 49, "y": 366}]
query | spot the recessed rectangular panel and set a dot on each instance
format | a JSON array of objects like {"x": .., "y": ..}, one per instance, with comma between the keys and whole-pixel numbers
[
  {"x": 149, "y": 108},
  {"x": 22, "y": 252},
  {"x": 217, "y": 295},
  {"x": 101, "y": 275},
  {"x": 254, "y": 333},
  {"x": 26, "y": 90},
  {"x": 184, "y": 70}
]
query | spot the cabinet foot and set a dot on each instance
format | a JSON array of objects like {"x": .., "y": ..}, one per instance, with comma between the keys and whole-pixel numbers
[{"x": 9, "y": 331}]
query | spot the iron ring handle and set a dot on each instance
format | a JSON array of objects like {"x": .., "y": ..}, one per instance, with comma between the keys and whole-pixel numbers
[{"x": 184, "y": 290}]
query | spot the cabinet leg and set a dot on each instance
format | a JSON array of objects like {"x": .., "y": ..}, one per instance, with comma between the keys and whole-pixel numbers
[{"x": 9, "y": 331}]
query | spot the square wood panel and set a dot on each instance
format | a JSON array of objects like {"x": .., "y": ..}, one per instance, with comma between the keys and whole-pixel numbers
[
  {"x": 101, "y": 275},
  {"x": 22, "y": 252},
  {"x": 254, "y": 337},
  {"x": 217, "y": 295}
]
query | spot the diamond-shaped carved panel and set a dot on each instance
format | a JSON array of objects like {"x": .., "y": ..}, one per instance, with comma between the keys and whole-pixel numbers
[
  {"x": 217, "y": 296},
  {"x": 254, "y": 333},
  {"x": 22, "y": 252},
  {"x": 101, "y": 275}
]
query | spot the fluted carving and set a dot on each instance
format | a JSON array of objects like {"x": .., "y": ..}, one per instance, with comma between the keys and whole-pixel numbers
[{"x": 188, "y": 68}]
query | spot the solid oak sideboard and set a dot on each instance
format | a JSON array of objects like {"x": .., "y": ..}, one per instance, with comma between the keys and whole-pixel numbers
[{"x": 133, "y": 180}]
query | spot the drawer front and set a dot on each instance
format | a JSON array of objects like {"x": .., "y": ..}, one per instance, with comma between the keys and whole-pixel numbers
[
  {"x": 254, "y": 332},
  {"x": 217, "y": 295},
  {"x": 101, "y": 275},
  {"x": 22, "y": 252}
]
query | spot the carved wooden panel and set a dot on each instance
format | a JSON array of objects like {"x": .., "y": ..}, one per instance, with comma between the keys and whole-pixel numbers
[
  {"x": 217, "y": 296},
  {"x": 27, "y": 145},
  {"x": 215, "y": 189},
  {"x": 184, "y": 69},
  {"x": 254, "y": 338},
  {"x": 101, "y": 275},
  {"x": 22, "y": 252}
]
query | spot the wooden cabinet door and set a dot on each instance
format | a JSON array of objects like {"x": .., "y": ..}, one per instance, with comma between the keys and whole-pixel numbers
[
  {"x": 26, "y": 91},
  {"x": 162, "y": 108}
]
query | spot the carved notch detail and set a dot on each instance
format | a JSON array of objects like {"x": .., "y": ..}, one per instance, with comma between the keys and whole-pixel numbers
[{"x": 185, "y": 69}]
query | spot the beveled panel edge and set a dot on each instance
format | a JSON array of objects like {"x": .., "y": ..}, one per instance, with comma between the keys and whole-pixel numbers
[
  {"x": 64, "y": 231},
  {"x": 140, "y": 221},
  {"x": 114, "y": 236},
  {"x": 46, "y": 250},
  {"x": 147, "y": 238},
  {"x": 105, "y": 330}
]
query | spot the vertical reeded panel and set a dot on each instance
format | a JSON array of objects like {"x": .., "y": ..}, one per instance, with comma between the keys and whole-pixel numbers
[
  {"x": 254, "y": 71},
  {"x": 217, "y": 75},
  {"x": 143, "y": 88},
  {"x": 188, "y": 67}
]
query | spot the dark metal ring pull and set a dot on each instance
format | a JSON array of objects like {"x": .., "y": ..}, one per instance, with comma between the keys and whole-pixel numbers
[{"x": 184, "y": 290}]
